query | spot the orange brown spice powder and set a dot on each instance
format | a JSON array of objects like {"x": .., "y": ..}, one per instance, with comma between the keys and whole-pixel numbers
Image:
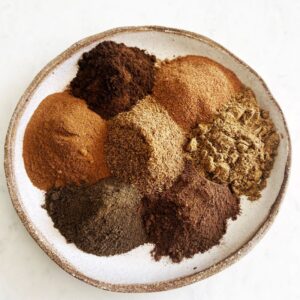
[{"x": 63, "y": 143}]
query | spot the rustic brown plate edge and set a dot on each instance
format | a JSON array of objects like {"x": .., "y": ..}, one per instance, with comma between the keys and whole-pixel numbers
[{"x": 38, "y": 237}]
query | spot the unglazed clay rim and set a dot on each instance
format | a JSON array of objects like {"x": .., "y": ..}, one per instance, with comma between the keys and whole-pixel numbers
[{"x": 37, "y": 235}]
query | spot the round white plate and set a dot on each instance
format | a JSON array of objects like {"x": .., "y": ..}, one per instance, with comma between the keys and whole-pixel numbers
[{"x": 136, "y": 270}]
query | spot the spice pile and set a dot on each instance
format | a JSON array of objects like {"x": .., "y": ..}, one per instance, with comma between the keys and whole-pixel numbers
[
  {"x": 64, "y": 143},
  {"x": 144, "y": 147},
  {"x": 193, "y": 88},
  {"x": 139, "y": 151},
  {"x": 238, "y": 147},
  {"x": 99, "y": 218},
  {"x": 112, "y": 78},
  {"x": 190, "y": 217}
]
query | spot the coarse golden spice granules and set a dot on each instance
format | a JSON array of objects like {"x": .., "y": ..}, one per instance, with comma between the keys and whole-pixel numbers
[{"x": 238, "y": 147}]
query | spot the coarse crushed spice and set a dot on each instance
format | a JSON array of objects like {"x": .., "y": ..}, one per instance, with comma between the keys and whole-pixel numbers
[
  {"x": 144, "y": 147},
  {"x": 64, "y": 143},
  {"x": 190, "y": 217},
  {"x": 238, "y": 147},
  {"x": 113, "y": 77},
  {"x": 103, "y": 219},
  {"x": 193, "y": 88}
]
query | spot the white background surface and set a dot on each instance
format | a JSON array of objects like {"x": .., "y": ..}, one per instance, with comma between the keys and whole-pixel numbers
[{"x": 265, "y": 34}]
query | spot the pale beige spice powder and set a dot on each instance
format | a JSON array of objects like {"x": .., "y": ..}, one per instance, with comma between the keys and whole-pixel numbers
[{"x": 144, "y": 147}]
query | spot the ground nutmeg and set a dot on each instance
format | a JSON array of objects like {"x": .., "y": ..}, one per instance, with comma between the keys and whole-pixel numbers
[
  {"x": 192, "y": 88},
  {"x": 144, "y": 147}
]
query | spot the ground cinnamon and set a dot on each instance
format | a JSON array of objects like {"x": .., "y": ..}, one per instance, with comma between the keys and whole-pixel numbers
[{"x": 63, "y": 143}]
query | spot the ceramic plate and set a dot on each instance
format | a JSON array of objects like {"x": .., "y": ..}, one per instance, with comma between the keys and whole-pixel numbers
[{"x": 136, "y": 270}]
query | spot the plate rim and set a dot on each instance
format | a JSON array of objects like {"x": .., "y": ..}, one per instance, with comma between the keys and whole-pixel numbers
[{"x": 46, "y": 246}]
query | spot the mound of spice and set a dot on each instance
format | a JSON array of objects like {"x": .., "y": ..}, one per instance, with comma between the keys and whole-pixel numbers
[
  {"x": 238, "y": 147},
  {"x": 103, "y": 219},
  {"x": 64, "y": 143},
  {"x": 113, "y": 77},
  {"x": 193, "y": 88},
  {"x": 190, "y": 217},
  {"x": 144, "y": 147}
]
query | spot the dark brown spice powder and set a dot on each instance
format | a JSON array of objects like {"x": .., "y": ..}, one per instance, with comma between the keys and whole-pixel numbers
[{"x": 113, "y": 77}]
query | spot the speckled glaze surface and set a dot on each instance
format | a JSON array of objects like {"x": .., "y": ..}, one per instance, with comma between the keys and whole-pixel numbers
[{"x": 136, "y": 271}]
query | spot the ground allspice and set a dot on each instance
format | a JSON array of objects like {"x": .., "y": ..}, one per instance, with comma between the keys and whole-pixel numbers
[
  {"x": 190, "y": 217},
  {"x": 113, "y": 77}
]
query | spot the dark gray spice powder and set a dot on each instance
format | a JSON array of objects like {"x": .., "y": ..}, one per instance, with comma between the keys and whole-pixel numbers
[{"x": 102, "y": 219}]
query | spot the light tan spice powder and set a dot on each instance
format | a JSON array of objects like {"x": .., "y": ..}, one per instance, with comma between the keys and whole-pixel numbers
[
  {"x": 238, "y": 147},
  {"x": 192, "y": 88},
  {"x": 144, "y": 147}
]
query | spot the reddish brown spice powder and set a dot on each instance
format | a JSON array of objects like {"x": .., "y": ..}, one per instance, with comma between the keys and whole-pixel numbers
[{"x": 189, "y": 218}]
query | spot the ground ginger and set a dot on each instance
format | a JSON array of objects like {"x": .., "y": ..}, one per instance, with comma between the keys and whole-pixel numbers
[{"x": 238, "y": 147}]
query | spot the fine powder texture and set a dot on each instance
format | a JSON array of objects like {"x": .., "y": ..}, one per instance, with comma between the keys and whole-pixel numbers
[
  {"x": 238, "y": 147},
  {"x": 103, "y": 219},
  {"x": 64, "y": 143},
  {"x": 193, "y": 88},
  {"x": 189, "y": 218},
  {"x": 113, "y": 77},
  {"x": 144, "y": 147}
]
